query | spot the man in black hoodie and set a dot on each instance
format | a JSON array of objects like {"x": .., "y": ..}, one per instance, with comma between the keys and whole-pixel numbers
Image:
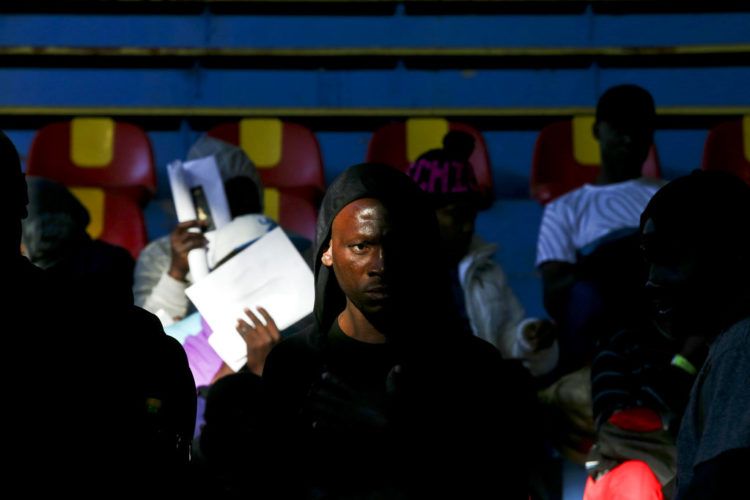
[{"x": 386, "y": 396}]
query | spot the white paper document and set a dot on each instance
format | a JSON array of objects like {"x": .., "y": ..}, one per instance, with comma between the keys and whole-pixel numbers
[
  {"x": 269, "y": 273},
  {"x": 198, "y": 194}
]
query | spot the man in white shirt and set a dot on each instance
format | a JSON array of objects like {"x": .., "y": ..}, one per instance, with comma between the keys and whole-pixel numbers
[{"x": 592, "y": 219}]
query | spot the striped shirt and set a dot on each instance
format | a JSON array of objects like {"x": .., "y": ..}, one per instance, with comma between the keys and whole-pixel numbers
[{"x": 585, "y": 215}]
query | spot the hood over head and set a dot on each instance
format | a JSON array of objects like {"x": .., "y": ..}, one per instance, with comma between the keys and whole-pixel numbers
[
  {"x": 56, "y": 223},
  {"x": 231, "y": 160},
  {"x": 420, "y": 294}
]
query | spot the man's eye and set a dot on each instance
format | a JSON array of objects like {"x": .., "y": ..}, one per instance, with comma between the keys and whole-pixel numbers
[{"x": 359, "y": 247}]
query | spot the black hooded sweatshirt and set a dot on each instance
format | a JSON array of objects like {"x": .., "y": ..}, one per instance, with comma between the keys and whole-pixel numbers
[{"x": 457, "y": 414}]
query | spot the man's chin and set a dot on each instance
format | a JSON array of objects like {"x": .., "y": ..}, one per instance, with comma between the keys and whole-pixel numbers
[{"x": 377, "y": 308}]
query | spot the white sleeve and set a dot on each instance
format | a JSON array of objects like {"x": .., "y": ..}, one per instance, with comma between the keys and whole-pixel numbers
[
  {"x": 556, "y": 235},
  {"x": 494, "y": 309},
  {"x": 169, "y": 295},
  {"x": 153, "y": 288}
]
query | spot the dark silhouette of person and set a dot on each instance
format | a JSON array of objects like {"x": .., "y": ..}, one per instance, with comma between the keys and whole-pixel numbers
[
  {"x": 387, "y": 396},
  {"x": 101, "y": 397},
  {"x": 55, "y": 238},
  {"x": 29, "y": 302},
  {"x": 696, "y": 241}
]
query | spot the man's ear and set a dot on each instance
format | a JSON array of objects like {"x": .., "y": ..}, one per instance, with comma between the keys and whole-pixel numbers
[{"x": 327, "y": 257}]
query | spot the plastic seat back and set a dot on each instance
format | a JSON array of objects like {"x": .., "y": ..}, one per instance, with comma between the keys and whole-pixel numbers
[
  {"x": 95, "y": 152},
  {"x": 108, "y": 166},
  {"x": 566, "y": 156},
  {"x": 727, "y": 148},
  {"x": 287, "y": 156}
]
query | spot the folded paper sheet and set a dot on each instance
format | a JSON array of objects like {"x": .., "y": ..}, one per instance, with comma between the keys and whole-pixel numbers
[
  {"x": 198, "y": 194},
  {"x": 269, "y": 273}
]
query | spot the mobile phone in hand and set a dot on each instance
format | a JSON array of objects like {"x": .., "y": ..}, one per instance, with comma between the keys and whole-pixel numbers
[{"x": 202, "y": 210}]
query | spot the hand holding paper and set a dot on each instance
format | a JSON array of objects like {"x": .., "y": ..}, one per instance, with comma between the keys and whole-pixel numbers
[
  {"x": 198, "y": 194},
  {"x": 269, "y": 273}
]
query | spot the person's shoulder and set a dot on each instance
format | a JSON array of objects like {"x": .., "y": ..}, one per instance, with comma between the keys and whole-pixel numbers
[
  {"x": 649, "y": 182},
  {"x": 733, "y": 343},
  {"x": 292, "y": 365},
  {"x": 300, "y": 344},
  {"x": 569, "y": 199},
  {"x": 298, "y": 351},
  {"x": 142, "y": 316},
  {"x": 115, "y": 250}
]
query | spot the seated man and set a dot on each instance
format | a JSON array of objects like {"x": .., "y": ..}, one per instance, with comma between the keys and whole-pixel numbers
[
  {"x": 55, "y": 238},
  {"x": 486, "y": 302},
  {"x": 162, "y": 270},
  {"x": 580, "y": 252},
  {"x": 387, "y": 395}
]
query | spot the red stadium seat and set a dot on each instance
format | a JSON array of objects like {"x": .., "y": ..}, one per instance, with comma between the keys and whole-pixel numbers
[
  {"x": 298, "y": 213},
  {"x": 288, "y": 159},
  {"x": 728, "y": 148},
  {"x": 108, "y": 165},
  {"x": 95, "y": 152},
  {"x": 566, "y": 156},
  {"x": 399, "y": 144}
]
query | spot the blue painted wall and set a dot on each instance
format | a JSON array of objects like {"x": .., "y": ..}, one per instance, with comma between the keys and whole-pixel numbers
[{"x": 513, "y": 220}]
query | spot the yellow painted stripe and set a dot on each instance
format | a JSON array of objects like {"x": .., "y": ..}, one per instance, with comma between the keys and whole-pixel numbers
[
  {"x": 92, "y": 142},
  {"x": 93, "y": 200},
  {"x": 424, "y": 134},
  {"x": 261, "y": 140},
  {"x": 283, "y": 112},
  {"x": 271, "y": 203},
  {"x": 585, "y": 146},
  {"x": 746, "y": 136}
]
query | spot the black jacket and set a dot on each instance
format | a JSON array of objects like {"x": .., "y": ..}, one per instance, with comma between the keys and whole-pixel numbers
[{"x": 458, "y": 414}]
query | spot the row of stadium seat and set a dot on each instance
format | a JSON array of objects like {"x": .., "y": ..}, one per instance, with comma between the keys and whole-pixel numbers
[{"x": 109, "y": 165}]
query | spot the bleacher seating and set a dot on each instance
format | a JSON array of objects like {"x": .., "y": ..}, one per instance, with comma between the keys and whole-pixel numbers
[{"x": 108, "y": 165}]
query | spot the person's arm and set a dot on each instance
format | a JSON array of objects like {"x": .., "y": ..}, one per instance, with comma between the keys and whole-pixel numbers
[
  {"x": 557, "y": 279},
  {"x": 153, "y": 288},
  {"x": 494, "y": 310},
  {"x": 182, "y": 240},
  {"x": 556, "y": 256},
  {"x": 161, "y": 272}
]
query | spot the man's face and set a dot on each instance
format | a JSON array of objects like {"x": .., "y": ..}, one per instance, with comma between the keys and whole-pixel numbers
[
  {"x": 673, "y": 284},
  {"x": 624, "y": 148},
  {"x": 456, "y": 222},
  {"x": 362, "y": 254}
]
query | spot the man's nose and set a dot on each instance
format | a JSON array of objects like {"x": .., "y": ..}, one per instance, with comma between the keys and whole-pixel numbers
[{"x": 377, "y": 263}]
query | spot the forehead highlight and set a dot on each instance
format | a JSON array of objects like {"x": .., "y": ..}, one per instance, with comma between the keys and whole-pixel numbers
[{"x": 359, "y": 212}]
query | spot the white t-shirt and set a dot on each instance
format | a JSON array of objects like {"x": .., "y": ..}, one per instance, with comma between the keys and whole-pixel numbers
[{"x": 581, "y": 217}]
